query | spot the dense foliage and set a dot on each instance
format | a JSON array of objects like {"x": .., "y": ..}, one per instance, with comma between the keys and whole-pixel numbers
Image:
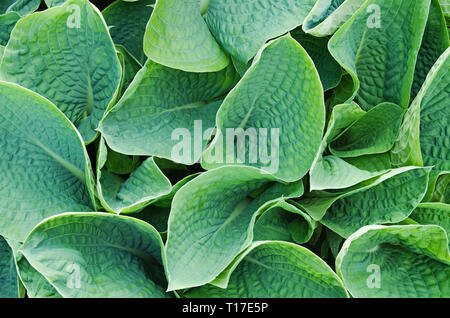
[{"x": 224, "y": 148}]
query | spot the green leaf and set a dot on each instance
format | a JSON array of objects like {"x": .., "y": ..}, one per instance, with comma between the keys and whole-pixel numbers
[
  {"x": 424, "y": 136},
  {"x": 283, "y": 221},
  {"x": 66, "y": 54},
  {"x": 125, "y": 195},
  {"x": 273, "y": 269},
  {"x": 130, "y": 67},
  {"x": 157, "y": 214},
  {"x": 433, "y": 213},
  {"x": 331, "y": 172},
  {"x": 46, "y": 167},
  {"x": 388, "y": 202},
  {"x": 328, "y": 15},
  {"x": 211, "y": 221},
  {"x": 9, "y": 287},
  {"x": 396, "y": 261},
  {"x": 98, "y": 255},
  {"x": 178, "y": 37},
  {"x": 434, "y": 42},
  {"x": 243, "y": 26},
  {"x": 36, "y": 284},
  {"x": 378, "y": 46},
  {"x": 398, "y": 192},
  {"x": 329, "y": 70},
  {"x": 160, "y": 100},
  {"x": 281, "y": 96},
  {"x": 127, "y": 22},
  {"x": 375, "y": 132},
  {"x": 22, "y": 7},
  {"x": 7, "y": 23}
]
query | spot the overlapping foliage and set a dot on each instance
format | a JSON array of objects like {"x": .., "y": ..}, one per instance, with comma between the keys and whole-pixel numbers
[{"x": 93, "y": 202}]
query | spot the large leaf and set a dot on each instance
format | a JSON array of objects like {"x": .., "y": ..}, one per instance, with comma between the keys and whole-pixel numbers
[
  {"x": 243, "y": 26},
  {"x": 316, "y": 203},
  {"x": 378, "y": 46},
  {"x": 331, "y": 172},
  {"x": 375, "y": 132},
  {"x": 98, "y": 255},
  {"x": 125, "y": 195},
  {"x": 283, "y": 221},
  {"x": 45, "y": 166},
  {"x": 9, "y": 287},
  {"x": 35, "y": 283},
  {"x": 396, "y": 261},
  {"x": 130, "y": 66},
  {"x": 66, "y": 54},
  {"x": 424, "y": 135},
  {"x": 330, "y": 71},
  {"x": 390, "y": 201},
  {"x": 211, "y": 221},
  {"x": 435, "y": 41},
  {"x": 7, "y": 23},
  {"x": 160, "y": 100},
  {"x": 127, "y": 21},
  {"x": 178, "y": 37},
  {"x": 279, "y": 105},
  {"x": 328, "y": 15},
  {"x": 22, "y": 7},
  {"x": 433, "y": 213},
  {"x": 273, "y": 269}
]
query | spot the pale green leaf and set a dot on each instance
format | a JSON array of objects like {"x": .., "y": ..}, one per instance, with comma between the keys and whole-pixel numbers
[
  {"x": 98, "y": 255},
  {"x": 279, "y": 106},
  {"x": 396, "y": 262},
  {"x": 46, "y": 169},
  {"x": 66, "y": 54}
]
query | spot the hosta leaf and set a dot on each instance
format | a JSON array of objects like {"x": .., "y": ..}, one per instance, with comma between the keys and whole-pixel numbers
[
  {"x": 9, "y": 287},
  {"x": 402, "y": 190},
  {"x": 378, "y": 46},
  {"x": 36, "y": 284},
  {"x": 439, "y": 181},
  {"x": 7, "y": 23},
  {"x": 130, "y": 66},
  {"x": 281, "y": 96},
  {"x": 243, "y": 26},
  {"x": 211, "y": 221},
  {"x": 445, "y": 6},
  {"x": 424, "y": 135},
  {"x": 157, "y": 214},
  {"x": 435, "y": 41},
  {"x": 66, "y": 54},
  {"x": 330, "y": 71},
  {"x": 98, "y": 255},
  {"x": 160, "y": 100},
  {"x": 388, "y": 202},
  {"x": 178, "y": 37},
  {"x": 331, "y": 172},
  {"x": 276, "y": 269},
  {"x": 396, "y": 261},
  {"x": 328, "y": 15},
  {"x": 127, "y": 22},
  {"x": 433, "y": 213},
  {"x": 22, "y": 7},
  {"x": 125, "y": 195},
  {"x": 283, "y": 221},
  {"x": 375, "y": 132},
  {"x": 45, "y": 166}
]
